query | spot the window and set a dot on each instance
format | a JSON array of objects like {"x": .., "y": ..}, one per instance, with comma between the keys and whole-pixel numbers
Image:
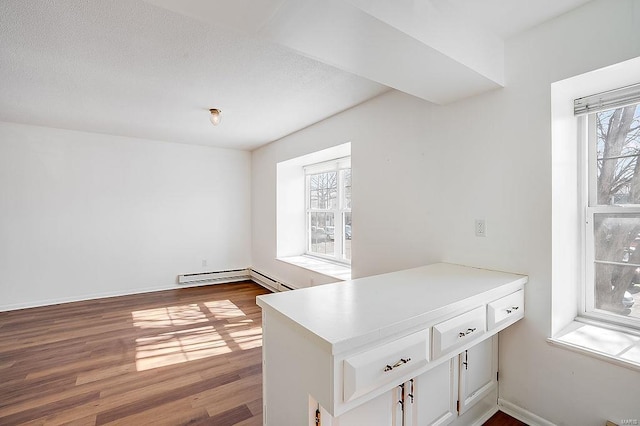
[
  {"x": 328, "y": 209},
  {"x": 293, "y": 213},
  {"x": 612, "y": 205}
]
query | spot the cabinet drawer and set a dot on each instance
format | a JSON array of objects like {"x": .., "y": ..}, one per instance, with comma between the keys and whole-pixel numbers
[
  {"x": 505, "y": 310},
  {"x": 459, "y": 330},
  {"x": 368, "y": 370}
]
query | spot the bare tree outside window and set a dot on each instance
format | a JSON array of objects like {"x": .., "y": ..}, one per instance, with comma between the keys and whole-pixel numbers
[
  {"x": 323, "y": 190},
  {"x": 617, "y": 233},
  {"x": 323, "y": 193},
  {"x": 346, "y": 216}
]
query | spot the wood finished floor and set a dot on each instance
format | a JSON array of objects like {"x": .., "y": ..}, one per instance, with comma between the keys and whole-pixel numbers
[
  {"x": 189, "y": 356},
  {"x": 502, "y": 419}
]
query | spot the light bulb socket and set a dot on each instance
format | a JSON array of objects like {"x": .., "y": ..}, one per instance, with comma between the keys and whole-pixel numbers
[{"x": 215, "y": 116}]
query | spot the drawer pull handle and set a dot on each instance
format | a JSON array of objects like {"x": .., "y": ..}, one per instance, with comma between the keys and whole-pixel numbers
[
  {"x": 469, "y": 331},
  {"x": 397, "y": 364},
  {"x": 513, "y": 308}
]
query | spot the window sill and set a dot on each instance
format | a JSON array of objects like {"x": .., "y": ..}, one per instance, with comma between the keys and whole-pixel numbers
[
  {"x": 334, "y": 270},
  {"x": 615, "y": 346}
]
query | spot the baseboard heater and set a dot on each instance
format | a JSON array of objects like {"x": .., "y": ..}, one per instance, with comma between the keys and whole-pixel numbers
[
  {"x": 269, "y": 282},
  {"x": 215, "y": 277}
]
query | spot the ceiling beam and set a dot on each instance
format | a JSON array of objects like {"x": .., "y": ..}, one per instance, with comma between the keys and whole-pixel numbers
[{"x": 423, "y": 48}]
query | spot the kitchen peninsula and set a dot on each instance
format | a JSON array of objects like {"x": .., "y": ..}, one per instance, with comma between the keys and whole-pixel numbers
[{"x": 413, "y": 347}]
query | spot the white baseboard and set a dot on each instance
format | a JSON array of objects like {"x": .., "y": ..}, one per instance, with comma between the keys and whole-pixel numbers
[
  {"x": 521, "y": 414},
  {"x": 259, "y": 278},
  {"x": 93, "y": 296},
  {"x": 270, "y": 283}
]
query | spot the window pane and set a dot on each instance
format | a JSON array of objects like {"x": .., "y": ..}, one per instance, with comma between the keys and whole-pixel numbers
[
  {"x": 323, "y": 190},
  {"x": 346, "y": 179},
  {"x": 347, "y": 235},
  {"x": 617, "y": 147},
  {"x": 321, "y": 233},
  {"x": 617, "y": 263},
  {"x": 617, "y": 290}
]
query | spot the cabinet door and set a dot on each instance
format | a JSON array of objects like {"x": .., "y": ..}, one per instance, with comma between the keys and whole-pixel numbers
[
  {"x": 478, "y": 372},
  {"x": 434, "y": 395},
  {"x": 385, "y": 410}
]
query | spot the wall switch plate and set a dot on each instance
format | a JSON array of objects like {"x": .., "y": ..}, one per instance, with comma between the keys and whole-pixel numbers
[{"x": 481, "y": 228}]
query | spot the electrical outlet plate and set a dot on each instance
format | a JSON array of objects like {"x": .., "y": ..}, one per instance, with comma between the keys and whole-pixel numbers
[{"x": 481, "y": 228}]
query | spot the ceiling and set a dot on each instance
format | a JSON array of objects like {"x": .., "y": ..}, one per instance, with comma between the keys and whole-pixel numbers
[{"x": 152, "y": 69}]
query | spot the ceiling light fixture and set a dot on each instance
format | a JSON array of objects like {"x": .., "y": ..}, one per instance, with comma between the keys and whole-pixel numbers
[{"x": 215, "y": 116}]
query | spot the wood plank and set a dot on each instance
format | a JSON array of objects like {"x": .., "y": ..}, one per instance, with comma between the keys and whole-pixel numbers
[
  {"x": 44, "y": 410},
  {"x": 178, "y": 412},
  {"x": 128, "y": 409},
  {"x": 502, "y": 419},
  {"x": 233, "y": 416},
  {"x": 237, "y": 394},
  {"x": 253, "y": 421},
  {"x": 255, "y": 406}
]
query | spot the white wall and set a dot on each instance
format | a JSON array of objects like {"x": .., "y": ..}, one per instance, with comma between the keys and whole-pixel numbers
[
  {"x": 486, "y": 157},
  {"x": 395, "y": 187},
  {"x": 85, "y": 215}
]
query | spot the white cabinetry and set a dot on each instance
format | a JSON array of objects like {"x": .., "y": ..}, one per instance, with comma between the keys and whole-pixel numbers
[
  {"x": 440, "y": 396},
  {"x": 414, "y": 347},
  {"x": 446, "y": 393},
  {"x": 383, "y": 364},
  {"x": 380, "y": 411},
  {"x": 478, "y": 367},
  {"x": 435, "y": 395},
  {"x": 454, "y": 333}
]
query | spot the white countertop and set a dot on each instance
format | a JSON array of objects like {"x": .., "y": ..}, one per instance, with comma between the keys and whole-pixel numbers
[{"x": 348, "y": 314}]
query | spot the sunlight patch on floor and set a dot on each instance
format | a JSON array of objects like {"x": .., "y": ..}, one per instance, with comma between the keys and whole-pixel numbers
[
  {"x": 169, "y": 316},
  {"x": 224, "y": 309},
  {"x": 177, "y": 347},
  {"x": 245, "y": 338},
  {"x": 220, "y": 327}
]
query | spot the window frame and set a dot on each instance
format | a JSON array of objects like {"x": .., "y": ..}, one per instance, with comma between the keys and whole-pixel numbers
[
  {"x": 339, "y": 238},
  {"x": 588, "y": 169}
]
